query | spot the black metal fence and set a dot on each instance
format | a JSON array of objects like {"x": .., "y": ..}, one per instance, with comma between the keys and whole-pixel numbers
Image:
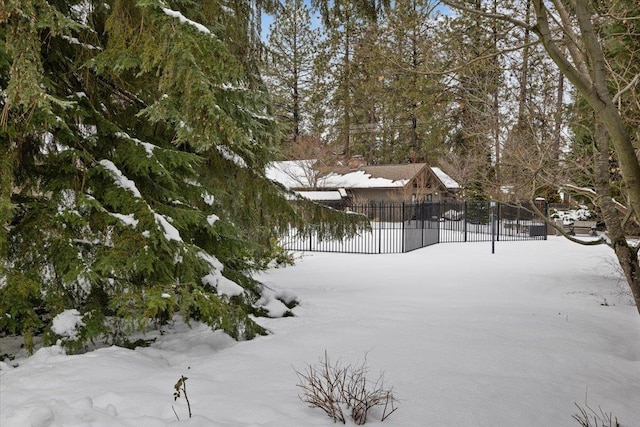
[{"x": 403, "y": 227}]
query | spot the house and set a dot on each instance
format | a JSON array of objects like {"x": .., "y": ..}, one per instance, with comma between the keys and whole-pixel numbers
[{"x": 361, "y": 182}]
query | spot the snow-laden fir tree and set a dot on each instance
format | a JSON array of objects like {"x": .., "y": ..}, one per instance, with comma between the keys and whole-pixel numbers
[{"x": 134, "y": 137}]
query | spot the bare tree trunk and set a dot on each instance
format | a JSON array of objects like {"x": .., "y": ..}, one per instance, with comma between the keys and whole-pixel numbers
[
  {"x": 347, "y": 94},
  {"x": 627, "y": 256},
  {"x": 496, "y": 102},
  {"x": 524, "y": 74},
  {"x": 296, "y": 108},
  {"x": 588, "y": 75},
  {"x": 557, "y": 127}
]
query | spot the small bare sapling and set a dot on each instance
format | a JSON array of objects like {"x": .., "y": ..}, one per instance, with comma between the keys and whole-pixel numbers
[{"x": 181, "y": 389}]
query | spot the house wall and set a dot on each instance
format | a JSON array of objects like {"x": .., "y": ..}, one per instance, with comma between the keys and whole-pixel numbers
[
  {"x": 375, "y": 194},
  {"x": 400, "y": 195}
]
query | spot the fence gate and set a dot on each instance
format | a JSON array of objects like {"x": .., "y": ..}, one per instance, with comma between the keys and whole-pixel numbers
[{"x": 420, "y": 224}]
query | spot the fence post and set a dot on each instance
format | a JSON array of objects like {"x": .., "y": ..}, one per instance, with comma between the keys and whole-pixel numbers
[
  {"x": 498, "y": 220},
  {"x": 380, "y": 222},
  {"x": 422, "y": 225},
  {"x": 464, "y": 224},
  {"x": 438, "y": 219},
  {"x": 403, "y": 230}
]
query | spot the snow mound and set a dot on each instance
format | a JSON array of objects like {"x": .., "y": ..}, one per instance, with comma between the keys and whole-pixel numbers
[{"x": 66, "y": 324}]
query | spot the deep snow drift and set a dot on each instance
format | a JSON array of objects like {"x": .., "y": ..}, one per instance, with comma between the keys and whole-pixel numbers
[{"x": 464, "y": 337}]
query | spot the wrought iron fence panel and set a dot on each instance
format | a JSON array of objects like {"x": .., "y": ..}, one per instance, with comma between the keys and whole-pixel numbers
[{"x": 403, "y": 227}]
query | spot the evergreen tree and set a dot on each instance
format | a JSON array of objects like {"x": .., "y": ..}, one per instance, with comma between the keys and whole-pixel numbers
[
  {"x": 414, "y": 120},
  {"x": 477, "y": 78},
  {"x": 289, "y": 67},
  {"x": 345, "y": 26},
  {"x": 133, "y": 145},
  {"x": 367, "y": 72}
]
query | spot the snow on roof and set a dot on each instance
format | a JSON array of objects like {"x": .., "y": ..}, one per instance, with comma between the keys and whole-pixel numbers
[
  {"x": 320, "y": 195},
  {"x": 292, "y": 173},
  {"x": 302, "y": 174},
  {"x": 358, "y": 179},
  {"x": 448, "y": 182}
]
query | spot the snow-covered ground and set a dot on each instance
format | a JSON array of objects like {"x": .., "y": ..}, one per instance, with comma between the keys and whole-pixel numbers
[{"x": 464, "y": 337}]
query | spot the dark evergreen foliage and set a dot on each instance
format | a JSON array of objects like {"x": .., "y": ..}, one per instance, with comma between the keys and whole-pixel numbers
[{"x": 133, "y": 144}]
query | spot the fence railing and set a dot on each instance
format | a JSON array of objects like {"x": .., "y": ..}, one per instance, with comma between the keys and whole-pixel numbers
[{"x": 403, "y": 227}]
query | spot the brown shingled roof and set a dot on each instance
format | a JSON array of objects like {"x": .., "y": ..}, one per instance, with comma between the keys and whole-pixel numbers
[{"x": 392, "y": 172}]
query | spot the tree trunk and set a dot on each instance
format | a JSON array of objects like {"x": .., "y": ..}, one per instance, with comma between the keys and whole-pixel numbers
[
  {"x": 347, "y": 91},
  {"x": 594, "y": 90},
  {"x": 557, "y": 128},
  {"x": 6, "y": 190},
  {"x": 524, "y": 75},
  {"x": 627, "y": 256},
  {"x": 496, "y": 101},
  {"x": 589, "y": 76}
]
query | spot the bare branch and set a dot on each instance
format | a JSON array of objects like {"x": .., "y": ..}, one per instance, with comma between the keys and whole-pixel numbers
[
  {"x": 631, "y": 84},
  {"x": 500, "y": 16},
  {"x": 573, "y": 46}
]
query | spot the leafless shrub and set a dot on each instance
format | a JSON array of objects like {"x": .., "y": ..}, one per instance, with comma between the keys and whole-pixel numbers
[
  {"x": 587, "y": 417},
  {"x": 361, "y": 395},
  {"x": 334, "y": 389},
  {"x": 623, "y": 290}
]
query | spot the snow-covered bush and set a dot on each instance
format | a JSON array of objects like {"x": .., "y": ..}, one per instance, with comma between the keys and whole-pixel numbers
[{"x": 569, "y": 216}]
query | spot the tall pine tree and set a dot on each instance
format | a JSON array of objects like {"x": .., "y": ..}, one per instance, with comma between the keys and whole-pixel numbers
[
  {"x": 289, "y": 70},
  {"x": 413, "y": 117}
]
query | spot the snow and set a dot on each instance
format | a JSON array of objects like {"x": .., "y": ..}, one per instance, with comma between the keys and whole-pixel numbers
[
  {"x": 119, "y": 178},
  {"x": 211, "y": 260},
  {"x": 223, "y": 285},
  {"x": 215, "y": 278},
  {"x": 272, "y": 303},
  {"x": 183, "y": 19},
  {"x": 358, "y": 179},
  {"x": 231, "y": 156},
  {"x": 66, "y": 324},
  {"x": 292, "y": 173},
  {"x": 464, "y": 337},
  {"x": 301, "y": 174},
  {"x": 320, "y": 195},
  {"x": 445, "y": 179},
  {"x": 74, "y": 40},
  {"x": 208, "y": 198},
  {"x": 82, "y": 11},
  {"x": 212, "y": 219},
  {"x": 170, "y": 232},
  {"x": 148, "y": 147},
  {"x": 571, "y": 215},
  {"x": 87, "y": 131},
  {"x": 129, "y": 219}
]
